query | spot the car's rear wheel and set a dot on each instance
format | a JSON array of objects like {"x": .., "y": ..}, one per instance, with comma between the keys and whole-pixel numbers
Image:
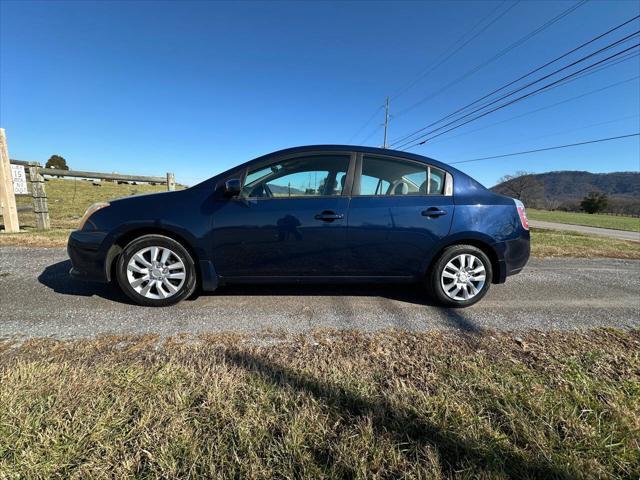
[
  {"x": 155, "y": 271},
  {"x": 460, "y": 277}
]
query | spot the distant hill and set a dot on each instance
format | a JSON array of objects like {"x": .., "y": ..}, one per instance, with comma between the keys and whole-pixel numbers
[{"x": 565, "y": 189}]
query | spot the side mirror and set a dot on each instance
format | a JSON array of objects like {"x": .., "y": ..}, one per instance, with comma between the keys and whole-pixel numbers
[{"x": 232, "y": 187}]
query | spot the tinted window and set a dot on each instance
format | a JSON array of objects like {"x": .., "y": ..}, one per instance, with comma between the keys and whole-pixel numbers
[
  {"x": 383, "y": 176},
  {"x": 298, "y": 177}
]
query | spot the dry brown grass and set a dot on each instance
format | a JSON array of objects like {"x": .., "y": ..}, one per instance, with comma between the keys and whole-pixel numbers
[
  {"x": 30, "y": 237},
  {"x": 327, "y": 405}
]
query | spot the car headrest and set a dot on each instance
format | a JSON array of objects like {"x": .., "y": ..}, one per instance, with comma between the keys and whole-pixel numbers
[{"x": 401, "y": 189}]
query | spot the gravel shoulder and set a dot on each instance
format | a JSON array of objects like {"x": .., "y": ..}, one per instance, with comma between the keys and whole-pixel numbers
[{"x": 39, "y": 299}]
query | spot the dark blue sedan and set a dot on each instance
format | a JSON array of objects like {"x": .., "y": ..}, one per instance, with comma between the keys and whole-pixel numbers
[{"x": 326, "y": 213}]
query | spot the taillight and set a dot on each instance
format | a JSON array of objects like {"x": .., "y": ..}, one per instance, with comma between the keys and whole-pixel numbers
[{"x": 522, "y": 213}]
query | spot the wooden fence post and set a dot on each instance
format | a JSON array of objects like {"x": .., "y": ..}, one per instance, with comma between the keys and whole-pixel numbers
[
  {"x": 171, "y": 181},
  {"x": 7, "y": 197},
  {"x": 39, "y": 194}
]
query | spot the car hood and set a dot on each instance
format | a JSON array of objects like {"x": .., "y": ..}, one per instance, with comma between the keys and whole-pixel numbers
[{"x": 141, "y": 196}]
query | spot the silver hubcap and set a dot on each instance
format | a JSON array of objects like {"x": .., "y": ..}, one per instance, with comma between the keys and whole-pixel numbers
[
  {"x": 463, "y": 277},
  {"x": 156, "y": 272}
]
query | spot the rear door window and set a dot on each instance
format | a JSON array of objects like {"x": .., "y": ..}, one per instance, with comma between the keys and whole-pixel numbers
[{"x": 390, "y": 176}]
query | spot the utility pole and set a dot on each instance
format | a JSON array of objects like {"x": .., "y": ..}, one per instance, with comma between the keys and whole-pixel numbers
[{"x": 386, "y": 123}]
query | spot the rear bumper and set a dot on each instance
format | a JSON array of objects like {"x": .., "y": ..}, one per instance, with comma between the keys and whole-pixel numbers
[
  {"x": 87, "y": 257},
  {"x": 513, "y": 256}
]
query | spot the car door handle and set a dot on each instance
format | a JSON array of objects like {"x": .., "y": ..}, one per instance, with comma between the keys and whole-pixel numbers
[
  {"x": 329, "y": 216},
  {"x": 433, "y": 212}
]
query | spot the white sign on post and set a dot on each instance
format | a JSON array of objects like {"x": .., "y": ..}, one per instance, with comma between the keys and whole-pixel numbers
[{"x": 19, "y": 180}]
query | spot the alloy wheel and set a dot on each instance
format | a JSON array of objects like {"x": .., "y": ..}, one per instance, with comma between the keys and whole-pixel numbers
[
  {"x": 156, "y": 272},
  {"x": 463, "y": 277}
]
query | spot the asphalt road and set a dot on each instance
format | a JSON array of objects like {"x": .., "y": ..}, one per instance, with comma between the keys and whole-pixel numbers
[
  {"x": 39, "y": 299},
  {"x": 604, "y": 232}
]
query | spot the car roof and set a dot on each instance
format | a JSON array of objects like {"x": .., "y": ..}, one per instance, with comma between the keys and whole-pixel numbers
[
  {"x": 357, "y": 148},
  {"x": 463, "y": 181}
]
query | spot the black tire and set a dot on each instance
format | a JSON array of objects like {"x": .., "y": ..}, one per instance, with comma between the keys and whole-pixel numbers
[
  {"x": 434, "y": 277},
  {"x": 186, "y": 288}
]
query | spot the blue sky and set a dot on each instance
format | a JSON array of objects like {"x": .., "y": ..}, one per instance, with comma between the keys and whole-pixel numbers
[{"x": 197, "y": 87}]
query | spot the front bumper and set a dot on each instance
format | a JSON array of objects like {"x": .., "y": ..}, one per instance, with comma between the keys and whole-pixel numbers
[{"x": 87, "y": 256}]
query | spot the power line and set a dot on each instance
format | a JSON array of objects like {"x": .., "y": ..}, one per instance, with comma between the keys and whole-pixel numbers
[
  {"x": 443, "y": 60},
  {"x": 611, "y": 63},
  {"x": 451, "y": 54},
  {"x": 549, "y": 86},
  {"x": 572, "y": 130},
  {"x": 499, "y": 107},
  {"x": 365, "y": 124},
  {"x": 570, "y": 99},
  {"x": 622, "y": 40},
  {"x": 547, "y": 148},
  {"x": 406, "y": 137},
  {"x": 500, "y": 54},
  {"x": 589, "y": 70},
  {"x": 372, "y": 134},
  {"x": 594, "y": 39}
]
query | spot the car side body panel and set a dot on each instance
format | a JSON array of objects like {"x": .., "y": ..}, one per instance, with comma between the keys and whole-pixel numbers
[
  {"x": 279, "y": 237},
  {"x": 388, "y": 233}
]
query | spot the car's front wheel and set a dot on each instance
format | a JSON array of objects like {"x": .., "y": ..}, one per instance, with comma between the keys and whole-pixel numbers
[
  {"x": 460, "y": 277},
  {"x": 155, "y": 271}
]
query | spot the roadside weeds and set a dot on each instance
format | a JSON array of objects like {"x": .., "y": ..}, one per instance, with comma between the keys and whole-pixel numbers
[{"x": 329, "y": 404}]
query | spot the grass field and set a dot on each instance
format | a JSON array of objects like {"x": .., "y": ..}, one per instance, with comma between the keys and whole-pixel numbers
[
  {"x": 630, "y": 224},
  {"x": 328, "y": 405},
  {"x": 68, "y": 199},
  {"x": 554, "y": 243}
]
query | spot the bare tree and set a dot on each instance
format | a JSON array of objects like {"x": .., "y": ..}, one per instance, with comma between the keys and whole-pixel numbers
[
  {"x": 552, "y": 204},
  {"x": 522, "y": 185}
]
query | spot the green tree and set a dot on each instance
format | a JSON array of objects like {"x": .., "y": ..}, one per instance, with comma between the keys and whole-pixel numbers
[
  {"x": 594, "y": 202},
  {"x": 56, "y": 161}
]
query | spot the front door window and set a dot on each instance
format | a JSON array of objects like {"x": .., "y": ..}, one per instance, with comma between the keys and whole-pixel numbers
[{"x": 314, "y": 176}]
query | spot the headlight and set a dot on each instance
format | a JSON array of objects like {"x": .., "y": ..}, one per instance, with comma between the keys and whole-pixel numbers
[{"x": 90, "y": 211}]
